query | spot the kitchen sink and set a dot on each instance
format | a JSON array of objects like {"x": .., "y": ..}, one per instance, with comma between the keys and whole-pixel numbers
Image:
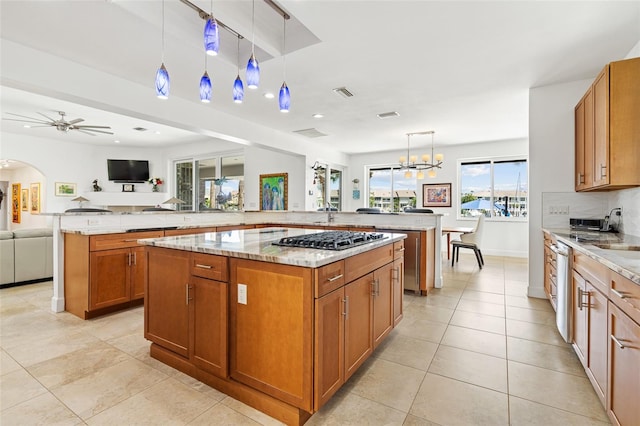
[{"x": 621, "y": 250}]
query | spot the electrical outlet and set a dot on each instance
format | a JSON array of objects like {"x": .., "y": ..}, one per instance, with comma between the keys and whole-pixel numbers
[
  {"x": 93, "y": 222},
  {"x": 242, "y": 294},
  {"x": 187, "y": 219}
]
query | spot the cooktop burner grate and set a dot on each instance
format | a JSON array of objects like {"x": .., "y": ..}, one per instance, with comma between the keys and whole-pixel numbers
[{"x": 330, "y": 240}]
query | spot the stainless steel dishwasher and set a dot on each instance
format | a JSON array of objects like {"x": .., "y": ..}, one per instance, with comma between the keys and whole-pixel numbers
[{"x": 565, "y": 294}]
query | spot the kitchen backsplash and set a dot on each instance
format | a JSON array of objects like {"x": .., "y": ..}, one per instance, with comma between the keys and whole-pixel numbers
[{"x": 558, "y": 207}]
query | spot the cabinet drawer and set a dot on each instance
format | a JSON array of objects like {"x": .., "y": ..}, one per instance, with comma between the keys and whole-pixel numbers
[
  {"x": 592, "y": 270},
  {"x": 209, "y": 266},
  {"x": 626, "y": 295},
  {"x": 329, "y": 278},
  {"x": 398, "y": 250},
  {"x": 123, "y": 240},
  {"x": 361, "y": 264}
]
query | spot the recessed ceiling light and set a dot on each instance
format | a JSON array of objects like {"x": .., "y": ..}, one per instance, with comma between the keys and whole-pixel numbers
[
  {"x": 269, "y": 95},
  {"x": 116, "y": 141},
  {"x": 140, "y": 129},
  {"x": 26, "y": 126},
  {"x": 317, "y": 115},
  {"x": 157, "y": 132}
]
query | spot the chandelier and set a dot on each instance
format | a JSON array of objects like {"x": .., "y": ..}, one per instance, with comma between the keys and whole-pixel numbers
[{"x": 429, "y": 162}]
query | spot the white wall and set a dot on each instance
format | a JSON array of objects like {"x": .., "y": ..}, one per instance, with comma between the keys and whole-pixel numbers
[
  {"x": 500, "y": 238},
  {"x": 25, "y": 176}
]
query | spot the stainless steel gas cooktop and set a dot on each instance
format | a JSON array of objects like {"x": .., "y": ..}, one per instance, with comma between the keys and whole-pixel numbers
[{"x": 330, "y": 240}]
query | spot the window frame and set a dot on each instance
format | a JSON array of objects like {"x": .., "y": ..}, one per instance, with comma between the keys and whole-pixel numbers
[
  {"x": 392, "y": 169},
  {"x": 492, "y": 161}
]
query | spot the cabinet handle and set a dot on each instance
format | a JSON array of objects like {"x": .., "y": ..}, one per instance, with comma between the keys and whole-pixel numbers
[
  {"x": 580, "y": 178},
  {"x": 400, "y": 250},
  {"x": 188, "y": 298},
  {"x": 128, "y": 259},
  {"x": 346, "y": 306},
  {"x": 580, "y": 298},
  {"x": 620, "y": 294},
  {"x": 602, "y": 173},
  {"x": 198, "y": 265},
  {"x": 337, "y": 277},
  {"x": 396, "y": 274},
  {"x": 618, "y": 342},
  {"x": 581, "y": 294},
  {"x": 373, "y": 288},
  {"x": 378, "y": 287},
  {"x": 135, "y": 259},
  {"x": 131, "y": 240}
]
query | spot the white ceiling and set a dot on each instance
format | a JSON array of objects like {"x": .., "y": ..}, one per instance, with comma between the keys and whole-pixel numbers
[{"x": 462, "y": 69}]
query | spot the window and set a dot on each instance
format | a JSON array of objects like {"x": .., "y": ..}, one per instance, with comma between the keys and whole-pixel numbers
[
  {"x": 219, "y": 183},
  {"x": 334, "y": 194},
  {"x": 391, "y": 190},
  {"x": 494, "y": 188}
]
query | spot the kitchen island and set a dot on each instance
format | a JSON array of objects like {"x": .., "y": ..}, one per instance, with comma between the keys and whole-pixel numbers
[{"x": 280, "y": 329}]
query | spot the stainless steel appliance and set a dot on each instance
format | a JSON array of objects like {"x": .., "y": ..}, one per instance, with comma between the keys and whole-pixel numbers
[
  {"x": 564, "y": 292},
  {"x": 411, "y": 259},
  {"x": 330, "y": 240}
]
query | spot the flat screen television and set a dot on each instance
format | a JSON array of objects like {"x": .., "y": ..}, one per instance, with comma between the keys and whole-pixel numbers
[{"x": 128, "y": 170}]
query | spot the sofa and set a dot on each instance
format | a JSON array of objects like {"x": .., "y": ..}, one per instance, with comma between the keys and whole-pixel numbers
[{"x": 26, "y": 255}]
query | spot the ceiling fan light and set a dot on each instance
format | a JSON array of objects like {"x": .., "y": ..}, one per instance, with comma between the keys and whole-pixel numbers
[
  {"x": 284, "y": 99},
  {"x": 211, "y": 37},
  {"x": 162, "y": 82},
  {"x": 253, "y": 73},
  {"x": 205, "y": 88},
  {"x": 238, "y": 90}
]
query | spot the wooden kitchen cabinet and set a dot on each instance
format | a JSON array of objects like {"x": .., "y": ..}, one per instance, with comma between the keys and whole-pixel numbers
[
  {"x": 607, "y": 136},
  {"x": 398, "y": 290},
  {"x": 624, "y": 368},
  {"x": 187, "y": 314},
  {"x": 105, "y": 272},
  {"x": 358, "y": 323},
  {"x": 550, "y": 272},
  {"x": 382, "y": 297},
  {"x": 590, "y": 337}
]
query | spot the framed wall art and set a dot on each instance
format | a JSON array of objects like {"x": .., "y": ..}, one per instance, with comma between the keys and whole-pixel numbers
[
  {"x": 274, "y": 189},
  {"x": 35, "y": 198},
  {"x": 64, "y": 189},
  {"x": 15, "y": 202},
  {"x": 436, "y": 195},
  {"x": 25, "y": 200}
]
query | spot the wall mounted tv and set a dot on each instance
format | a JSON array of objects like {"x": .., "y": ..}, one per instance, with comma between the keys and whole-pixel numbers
[{"x": 128, "y": 170}]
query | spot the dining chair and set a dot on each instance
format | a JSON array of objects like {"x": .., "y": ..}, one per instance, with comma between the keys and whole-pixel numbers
[{"x": 470, "y": 240}]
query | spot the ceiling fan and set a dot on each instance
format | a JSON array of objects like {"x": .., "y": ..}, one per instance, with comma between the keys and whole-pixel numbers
[{"x": 61, "y": 124}]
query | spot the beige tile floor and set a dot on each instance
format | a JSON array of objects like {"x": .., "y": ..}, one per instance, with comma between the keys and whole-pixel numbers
[{"x": 476, "y": 352}]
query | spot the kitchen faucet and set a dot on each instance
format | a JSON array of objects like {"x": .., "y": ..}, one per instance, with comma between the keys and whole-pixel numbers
[{"x": 330, "y": 215}]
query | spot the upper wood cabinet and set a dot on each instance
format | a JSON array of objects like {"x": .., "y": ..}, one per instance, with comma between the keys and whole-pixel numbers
[{"x": 607, "y": 130}]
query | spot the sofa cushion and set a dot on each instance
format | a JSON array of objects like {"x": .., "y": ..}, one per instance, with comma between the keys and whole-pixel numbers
[
  {"x": 6, "y": 235},
  {"x": 33, "y": 233}
]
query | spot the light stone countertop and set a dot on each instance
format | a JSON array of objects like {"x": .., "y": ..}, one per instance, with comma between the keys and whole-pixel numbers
[
  {"x": 624, "y": 262},
  {"x": 256, "y": 244}
]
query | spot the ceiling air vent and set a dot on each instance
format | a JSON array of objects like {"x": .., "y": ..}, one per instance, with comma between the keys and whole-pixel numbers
[
  {"x": 342, "y": 91},
  {"x": 388, "y": 114},
  {"x": 310, "y": 133}
]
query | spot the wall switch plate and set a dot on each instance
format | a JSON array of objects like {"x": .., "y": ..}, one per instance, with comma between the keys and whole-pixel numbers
[
  {"x": 187, "y": 219},
  {"x": 242, "y": 294}
]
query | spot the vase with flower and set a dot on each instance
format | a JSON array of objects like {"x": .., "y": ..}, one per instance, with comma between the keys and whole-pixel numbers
[{"x": 155, "y": 182}]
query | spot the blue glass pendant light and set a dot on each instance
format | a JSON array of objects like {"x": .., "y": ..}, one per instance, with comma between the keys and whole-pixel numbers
[
  {"x": 205, "y": 88},
  {"x": 211, "y": 36},
  {"x": 162, "y": 82},
  {"x": 238, "y": 88},
  {"x": 284, "y": 100},
  {"x": 162, "y": 75},
  {"x": 253, "y": 69}
]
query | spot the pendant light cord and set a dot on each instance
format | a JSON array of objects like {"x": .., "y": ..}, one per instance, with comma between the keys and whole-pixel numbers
[
  {"x": 284, "y": 49},
  {"x": 238, "y": 62},
  {"x": 163, "y": 31},
  {"x": 253, "y": 31}
]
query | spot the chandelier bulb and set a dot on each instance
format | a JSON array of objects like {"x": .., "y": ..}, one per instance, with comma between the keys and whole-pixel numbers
[
  {"x": 420, "y": 175},
  {"x": 439, "y": 157},
  {"x": 432, "y": 173},
  {"x": 426, "y": 158},
  {"x": 408, "y": 174}
]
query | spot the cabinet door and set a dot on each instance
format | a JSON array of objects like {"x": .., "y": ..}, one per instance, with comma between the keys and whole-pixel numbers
[
  {"x": 167, "y": 298},
  {"x": 109, "y": 281},
  {"x": 624, "y": 368},
  {"x": 398, "y": 289},
  {"x": 138, "y": 272},
  {"x": 598, "y": 338},
  {"x": 329, "y": 346},
  {"x": 209, "y": 305},
  {"x": 382, "y": 303},
  {"x": 601, "y": 170},
  {"x": 584, "y": 142},
  {"x": 580, "y": 300},
  {"x": 358, "y": 331}
]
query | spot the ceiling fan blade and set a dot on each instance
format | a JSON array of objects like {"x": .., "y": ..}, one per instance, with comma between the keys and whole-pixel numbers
[
  {"x": 77, "y": 120},
  {"x": 49, "y": 118},
  {"x": 87, "y": 126},
  {"x": 24, "y": 116},
  {"x": 85, "y": 132},
  {"x": 30, "y": 121}
]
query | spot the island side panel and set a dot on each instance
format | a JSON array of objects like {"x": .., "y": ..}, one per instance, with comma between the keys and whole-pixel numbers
[{"x": 271, "y": 334}]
